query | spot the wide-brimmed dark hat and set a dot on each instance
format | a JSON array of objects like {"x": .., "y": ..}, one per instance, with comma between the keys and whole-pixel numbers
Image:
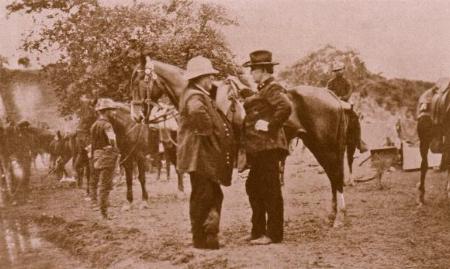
[{"x": 260, "y": 57}]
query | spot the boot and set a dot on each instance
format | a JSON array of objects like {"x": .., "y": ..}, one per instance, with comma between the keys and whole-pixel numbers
[
  {"x": 211, "y": 226},
  {"x": 212, "y": 241}
]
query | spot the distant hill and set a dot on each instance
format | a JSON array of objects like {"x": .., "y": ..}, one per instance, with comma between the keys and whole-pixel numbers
[{"x": 392, "y": 94}]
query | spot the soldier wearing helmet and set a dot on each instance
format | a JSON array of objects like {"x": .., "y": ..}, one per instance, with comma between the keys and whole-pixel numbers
[
  {"x": 105, "y": 153},
  {"x": 205, "y": 150}
]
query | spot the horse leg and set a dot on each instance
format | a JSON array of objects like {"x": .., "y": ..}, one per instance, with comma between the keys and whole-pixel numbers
[
  {"x": 158, "y": 161},
  {"x": 338, "y": 202},
  {"x": 167, "y": 159},
  {"x": 180, "y": 181},
  {"x": 425, "y": 133},
  {"x": 423, "y": 172},
  {"x": 333, "y": 164},
  {"x": 350, "y": 152},
  {"x": 128, "y": 167},
  {"x": 88, "y": 176},
  {"x": 141, "y": 176},
  {"x": 79, "y": 170}
]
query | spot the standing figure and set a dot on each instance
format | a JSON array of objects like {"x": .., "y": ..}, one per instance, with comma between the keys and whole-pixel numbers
[
  {"x": 343, "y": 89},
  {"x": 266, "y": 146},
  {"x": 105, "y": 154},
  {"x": 205, "y": 150}
]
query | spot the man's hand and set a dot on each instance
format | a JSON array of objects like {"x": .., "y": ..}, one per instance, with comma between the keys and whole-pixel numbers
[{"x": 262, "y": 125}]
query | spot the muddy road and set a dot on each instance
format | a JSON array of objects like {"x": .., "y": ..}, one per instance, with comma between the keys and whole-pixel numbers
[{"x": 57, "y": 228}]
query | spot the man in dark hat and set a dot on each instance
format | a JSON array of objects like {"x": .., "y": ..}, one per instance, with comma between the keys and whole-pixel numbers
[
  {"x": 266, "y": 145},
  {"x": 205, "y": 150}
]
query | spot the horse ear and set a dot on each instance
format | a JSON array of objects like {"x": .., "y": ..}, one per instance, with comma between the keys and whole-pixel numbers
[{"x": 58, "y": 135}]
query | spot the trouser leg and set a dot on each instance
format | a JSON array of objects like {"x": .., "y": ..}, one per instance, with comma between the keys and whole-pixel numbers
[
  {"x": 273, "y": 198},
  {"x": 264, "y": 190},
  {"x": 105, "y": 187},
  {"x": 255, "y": 194},
  {"x": 204, "y": 210},
  {"x": 94, "y": 184}
]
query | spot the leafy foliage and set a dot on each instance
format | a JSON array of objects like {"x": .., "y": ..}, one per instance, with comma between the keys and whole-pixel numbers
[
  {"x": 3, "y": 61},
  {"x": 97, "y": 46},
  {"x": 24, "y": 61}
]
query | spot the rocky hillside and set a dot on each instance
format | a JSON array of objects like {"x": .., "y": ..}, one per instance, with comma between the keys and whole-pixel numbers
[{"x": 391, "y": 94}]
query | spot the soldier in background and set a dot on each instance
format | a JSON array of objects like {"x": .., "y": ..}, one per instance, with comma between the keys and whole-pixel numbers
[{"x": 105, "y": 154}]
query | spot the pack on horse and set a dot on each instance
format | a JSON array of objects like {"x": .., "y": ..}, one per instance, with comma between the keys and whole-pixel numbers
[
  {"x": 318, "y": 118},
  {"x": 71, "y": 146},
  {"x": 165, "y": 140},
  {"x": 433, "y": 128},
  {"x": 61, "y": 152},
  {"x": 41, "y": 138}
]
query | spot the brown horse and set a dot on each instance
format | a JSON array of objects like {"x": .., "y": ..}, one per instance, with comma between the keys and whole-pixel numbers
[
  {"x": 433, "y": 127},
  {"x": 134, "y": 140},
  {"x": 316, "y": 109}
]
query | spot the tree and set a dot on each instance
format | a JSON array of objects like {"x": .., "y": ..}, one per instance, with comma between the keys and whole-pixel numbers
[
  {"x": 94, "y": 46},
  {"x": 24, "y": 61},
  {"x": 3, "y": 61}
]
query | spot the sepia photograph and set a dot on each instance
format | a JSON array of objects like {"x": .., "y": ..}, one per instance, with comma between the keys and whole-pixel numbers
[{"x": 228, "y": 134}]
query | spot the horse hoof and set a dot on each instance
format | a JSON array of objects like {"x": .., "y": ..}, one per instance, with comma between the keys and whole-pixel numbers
[
  {"x": 331, "y": 218},
  {"x": 349, "y": 183},
  {"x": 420, "y": 204},
  {"x": 126, "y": 207},
  {"x": 144, "y": 205},
  {"x": 337, "y": 224}
]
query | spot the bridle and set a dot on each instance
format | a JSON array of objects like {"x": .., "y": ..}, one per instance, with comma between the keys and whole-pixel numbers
[{"x": 150, "y": 78}]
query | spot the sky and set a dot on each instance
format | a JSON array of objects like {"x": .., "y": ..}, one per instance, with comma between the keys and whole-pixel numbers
[{"x": 404, "y": 39}]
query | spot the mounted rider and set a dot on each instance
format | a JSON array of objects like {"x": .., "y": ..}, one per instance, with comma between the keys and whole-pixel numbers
[
  {"x": 343, "y": 89},
  {"x": 105, "y": 154}
]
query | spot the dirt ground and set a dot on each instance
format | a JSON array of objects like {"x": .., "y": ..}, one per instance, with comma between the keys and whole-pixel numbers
[{"x": 383, "y": 228}]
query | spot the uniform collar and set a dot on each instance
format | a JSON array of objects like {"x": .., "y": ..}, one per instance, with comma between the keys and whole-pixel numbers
[
  {"x": 265, "y": 82},
  {"x": 102, "y": 117},
  {"x": 202, "y": 89}
]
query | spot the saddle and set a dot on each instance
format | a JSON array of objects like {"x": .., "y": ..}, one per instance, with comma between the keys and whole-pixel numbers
[{"x": 438, "y": 101}]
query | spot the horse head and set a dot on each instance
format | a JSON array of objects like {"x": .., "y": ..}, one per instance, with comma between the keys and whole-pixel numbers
[{"x": 228, "y": 99}]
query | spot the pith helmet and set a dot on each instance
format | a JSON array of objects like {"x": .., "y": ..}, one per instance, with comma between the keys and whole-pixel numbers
[
  {"x": 199, "y": 66},
  {"x": 104, "y": 103}
]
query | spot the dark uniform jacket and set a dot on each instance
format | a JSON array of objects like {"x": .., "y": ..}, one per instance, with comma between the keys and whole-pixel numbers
[
  {"x": 206, "y": 142},
  {"x": 103, "y": 157},
  {"x": 271, "y": 104},
  {"x": 341, "y": 87}
]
